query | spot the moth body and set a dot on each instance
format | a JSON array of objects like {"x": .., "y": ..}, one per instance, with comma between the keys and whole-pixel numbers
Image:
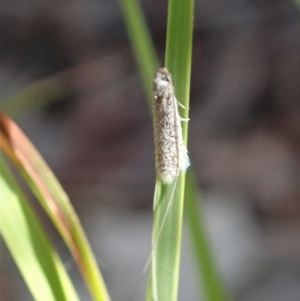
[{"x": 171, "y": 155}]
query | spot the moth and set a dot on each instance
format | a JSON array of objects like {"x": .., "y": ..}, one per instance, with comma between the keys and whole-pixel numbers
[{"x": 171, "y": 155}]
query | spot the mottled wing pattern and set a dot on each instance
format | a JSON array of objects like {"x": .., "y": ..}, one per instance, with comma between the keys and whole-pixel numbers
[{"x": 170, "y": 152}]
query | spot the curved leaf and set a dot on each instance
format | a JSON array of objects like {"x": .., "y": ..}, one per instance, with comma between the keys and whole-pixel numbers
[{"x": 35, "y": 257}]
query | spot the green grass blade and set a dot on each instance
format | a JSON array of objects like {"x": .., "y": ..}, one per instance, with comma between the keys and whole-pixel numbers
[
  {"x": 179, "y": 50},
  {"x": 212, "y": 285},
  {"x": 54, "y": 200},
  {"x": 178, "y": 61},
  {"x": 141, "y": 42},
  {"x": 167, "y": 242},
  {"x": 35, "y": 257}
]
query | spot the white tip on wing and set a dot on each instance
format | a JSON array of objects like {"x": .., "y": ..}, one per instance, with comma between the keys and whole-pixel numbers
[
  {"x": 184, "y": 159},
  {"x": 167, "y": 178}
]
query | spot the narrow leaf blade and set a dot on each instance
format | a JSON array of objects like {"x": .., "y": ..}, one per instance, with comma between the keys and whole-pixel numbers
[{"x": 34, "y": 255}]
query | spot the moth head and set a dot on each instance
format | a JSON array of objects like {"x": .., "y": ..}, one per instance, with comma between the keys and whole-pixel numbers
[
  {"x": 162, "y": 83},
  {"x": 163, "y": 75}
]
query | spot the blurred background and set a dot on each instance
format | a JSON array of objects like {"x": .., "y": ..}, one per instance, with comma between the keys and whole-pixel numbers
[{"x": 95, "y": 131}]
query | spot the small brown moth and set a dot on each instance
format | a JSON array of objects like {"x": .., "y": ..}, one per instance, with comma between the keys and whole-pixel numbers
[{"x": 171, "y": 154}]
